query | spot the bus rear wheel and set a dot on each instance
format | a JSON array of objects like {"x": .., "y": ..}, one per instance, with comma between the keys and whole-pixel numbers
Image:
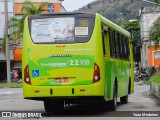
[
  {"x": 124, "y": 99},
  {"x": 112, "y": 105},
  {"x": 53, "y": 105}
]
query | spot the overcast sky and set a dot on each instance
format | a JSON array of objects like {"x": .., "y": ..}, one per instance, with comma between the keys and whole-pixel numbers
[{"x": 71, "y": 5}]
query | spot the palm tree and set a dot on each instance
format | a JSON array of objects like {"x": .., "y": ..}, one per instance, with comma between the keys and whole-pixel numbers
[
  {"x": 30, "y": 9},
  {"x": 17, "y": 24},
  {"x": 3, "y": 45}
]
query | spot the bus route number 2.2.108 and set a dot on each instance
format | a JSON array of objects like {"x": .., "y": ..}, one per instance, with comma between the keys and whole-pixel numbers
[{"x": 78, "y": 62}]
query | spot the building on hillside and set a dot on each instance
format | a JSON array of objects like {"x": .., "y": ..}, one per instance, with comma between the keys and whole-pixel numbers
[
  {"x": 148, "y": 16},
  {"x": 14, "y": 7}
]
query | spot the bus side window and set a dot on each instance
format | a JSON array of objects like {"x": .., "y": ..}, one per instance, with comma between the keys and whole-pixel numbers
[
  {"x": 114, "y": 43},
  {"x": 127, "y": 48},
  {"x": 118, "y": 44},
  {"x": 103, "y": 43},
  {"x": 121, "y": 48},
  {"x": 110, "y": 42},
  {"x": 125, "y": 45}
]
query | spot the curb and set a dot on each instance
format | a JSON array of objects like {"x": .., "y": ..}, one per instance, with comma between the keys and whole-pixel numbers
[{"x": 156, "y": 96}]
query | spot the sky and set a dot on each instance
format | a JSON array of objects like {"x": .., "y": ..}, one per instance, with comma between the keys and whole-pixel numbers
[{"x": 71, "y": 5}]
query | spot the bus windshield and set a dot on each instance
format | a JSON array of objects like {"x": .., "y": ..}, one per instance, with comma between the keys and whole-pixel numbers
[{"x": 61, "y": 30}]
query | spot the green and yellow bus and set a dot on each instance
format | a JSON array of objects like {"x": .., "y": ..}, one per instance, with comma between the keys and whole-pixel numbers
[{"x": 75, "y": 58}]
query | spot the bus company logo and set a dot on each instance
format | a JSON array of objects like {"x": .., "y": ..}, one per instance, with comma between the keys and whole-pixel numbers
[
  {"x": 6, "y": 114},
  {"x": 21, "y": 115},
  {"x": 61, "y": 55}
]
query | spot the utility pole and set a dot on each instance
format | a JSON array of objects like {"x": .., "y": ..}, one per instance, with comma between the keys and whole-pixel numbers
[{"x": 7, "y": 41}]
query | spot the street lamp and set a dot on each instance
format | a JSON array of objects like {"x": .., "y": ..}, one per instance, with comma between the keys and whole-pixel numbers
[{"x": 7, "y": 41}]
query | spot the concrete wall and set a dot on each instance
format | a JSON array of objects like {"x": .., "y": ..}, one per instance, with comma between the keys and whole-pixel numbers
[{"x": 146, "y": 23}]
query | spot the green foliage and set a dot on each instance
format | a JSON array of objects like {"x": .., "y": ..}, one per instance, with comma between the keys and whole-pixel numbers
[
  {"x": 17, "y": 24},
  {"x": 89, "y": 6},
  {"x": 3, "y": 45},
  {"x": 157, "y": 1},
  {"x": 155, "y": 32},
  {"x": 155, "y": 79},
  {"x": 30, "y": 9},
  {"x": 116, "y": 10},
  {"x": 11, "y": 85}
]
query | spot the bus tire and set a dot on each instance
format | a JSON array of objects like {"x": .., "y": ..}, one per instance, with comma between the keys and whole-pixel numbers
[
  {"x": 53, "y": 105},
  {"x": 124, "y": 99},
  {"x": 112, "y": 105}
]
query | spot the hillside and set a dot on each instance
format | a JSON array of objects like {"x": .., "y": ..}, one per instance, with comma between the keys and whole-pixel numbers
[{"x": 116, "y": 10}]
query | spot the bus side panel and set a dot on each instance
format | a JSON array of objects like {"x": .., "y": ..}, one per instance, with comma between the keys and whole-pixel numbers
[
  {"x": 26, "y": 34},
  {"x": 117, "y": 70},
  {"x": 99, "y": 59},
  {"x": 123, "y": 77},
  {"x": 108, "y": 79},
  {"x": 132, "y": 68}
]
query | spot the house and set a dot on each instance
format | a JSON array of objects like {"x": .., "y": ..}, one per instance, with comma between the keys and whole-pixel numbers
[{"x": 149, "y": 56}]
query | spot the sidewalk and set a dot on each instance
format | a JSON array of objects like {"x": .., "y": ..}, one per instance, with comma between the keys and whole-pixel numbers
[{"x": 11, "y": 85}]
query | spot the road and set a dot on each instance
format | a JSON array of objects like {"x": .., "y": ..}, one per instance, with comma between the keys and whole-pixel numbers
[{"x": 11, "y": 99}]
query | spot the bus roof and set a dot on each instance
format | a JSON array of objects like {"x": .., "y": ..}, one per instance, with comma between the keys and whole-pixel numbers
[
  {"x": 114, "y": 26},
  {"x": 73, "y": 14}
]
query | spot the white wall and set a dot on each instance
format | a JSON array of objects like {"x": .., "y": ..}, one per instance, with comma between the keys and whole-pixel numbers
[{"x": 146, "y": 23}]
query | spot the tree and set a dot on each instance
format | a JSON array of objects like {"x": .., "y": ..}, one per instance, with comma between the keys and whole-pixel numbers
[
  {"x": 155, "y": 33},
  {"x": 30, "y": 8},
  {"x": 89, "y": 6},
  {"x": 17, "y": 24},
  {"x": 3, "y": 45},
  {"x": 157, "y": 1}
]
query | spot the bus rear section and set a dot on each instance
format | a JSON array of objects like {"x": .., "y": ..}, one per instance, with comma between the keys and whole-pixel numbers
[{"x": 59, "y": 59}]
